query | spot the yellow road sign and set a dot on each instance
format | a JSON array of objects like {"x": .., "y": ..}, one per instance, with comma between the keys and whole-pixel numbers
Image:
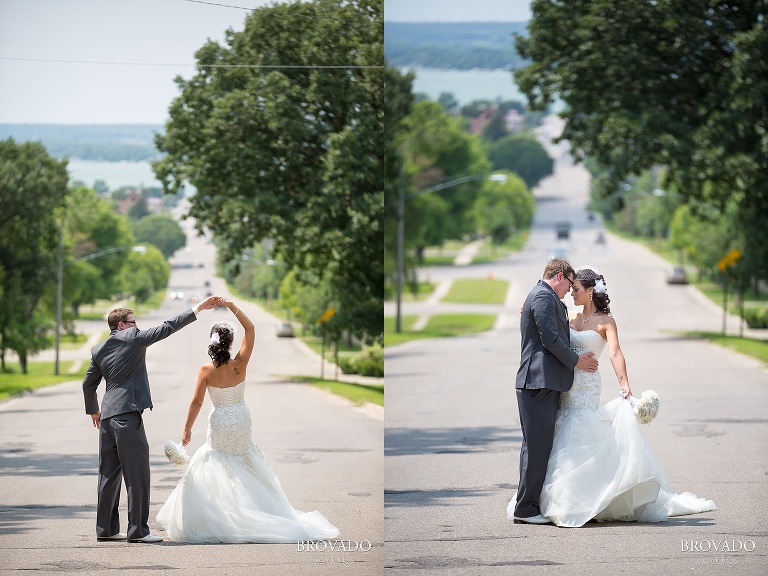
[
  {"x": 729, "y": 259},
  {"x": 327, "y": 315}
]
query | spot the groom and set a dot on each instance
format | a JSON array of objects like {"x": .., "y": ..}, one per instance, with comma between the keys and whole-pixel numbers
[
  {"x": 546, "y": 370},
  {"x": 123, "y": 446}
]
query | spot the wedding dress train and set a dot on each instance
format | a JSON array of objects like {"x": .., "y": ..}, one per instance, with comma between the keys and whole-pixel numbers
[
  {"x": 229, "y": 492},
  {"x": 601, "y": 466}
]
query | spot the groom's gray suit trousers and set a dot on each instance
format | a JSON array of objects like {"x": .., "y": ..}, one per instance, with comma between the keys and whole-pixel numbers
[
  {"x": 538, "y": 411},
  {"x": 122, "y": 440}
]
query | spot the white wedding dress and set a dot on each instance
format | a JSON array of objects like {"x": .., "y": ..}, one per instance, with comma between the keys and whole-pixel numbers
[
  {"x": 601, "y": 466},
  {"x": 229, "y": 492}
]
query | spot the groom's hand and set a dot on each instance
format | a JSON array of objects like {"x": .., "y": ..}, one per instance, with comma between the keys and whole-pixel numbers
[
  {"x": 96, "y": 418},
  {"x": 209, "y": 303},
  {"x": 587, "y": 362}
]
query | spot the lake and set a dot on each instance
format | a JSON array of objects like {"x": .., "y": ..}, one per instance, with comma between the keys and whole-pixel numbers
[
  {"x": 466, "y": 85},
  {"x": 469, "y": 85},
  {"x": 115, "y": 174}
]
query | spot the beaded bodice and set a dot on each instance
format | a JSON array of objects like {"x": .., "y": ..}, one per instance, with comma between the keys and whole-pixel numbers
[
  {"x": 229, "y": 424},
  {"x": 585, "y": 392}
]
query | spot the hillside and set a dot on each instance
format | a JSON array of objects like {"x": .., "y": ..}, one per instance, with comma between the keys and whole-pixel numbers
[
  {"x": 108, "y": 142},
  {"x": 453, "y": 45}
]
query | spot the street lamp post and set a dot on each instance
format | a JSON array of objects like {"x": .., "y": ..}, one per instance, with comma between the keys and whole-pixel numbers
[
  {"x": 401, "y": 226},
  {"x": 60, "y": 282}
]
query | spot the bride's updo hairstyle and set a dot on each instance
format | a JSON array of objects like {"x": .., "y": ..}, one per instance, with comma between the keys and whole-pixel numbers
[
  {"x": 591, "y": 278},
  {"x": 222, "y": 334}
]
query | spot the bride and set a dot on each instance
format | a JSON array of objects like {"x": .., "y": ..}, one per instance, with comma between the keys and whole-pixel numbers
[
  {"x": 229, "y": 492},
  {"x": 601, "y": 466}
]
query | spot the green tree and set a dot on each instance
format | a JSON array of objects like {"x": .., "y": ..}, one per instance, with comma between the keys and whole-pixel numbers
[
  {"x": 100, "y": 187},
  {"x": 149, "y": 273},
  {"x": 448, "y": 101},
  {"x": 284, "y": 145},
  {"x": 138, "y": 209},
  {"x": 90, "y": 226},
  {"x": 677, "y": 83},
  {"x": 162, "y": 231},
  {"x": 523, "y": 155},
  {"x": 502, "y": 209},
  {"x": 398, "y": 100},
  {"x": 496, "y": 128},
  {"x": 704, "y": 234},
  {"x": 438, "y": 150},
  {"x": 33, "y": 186}
]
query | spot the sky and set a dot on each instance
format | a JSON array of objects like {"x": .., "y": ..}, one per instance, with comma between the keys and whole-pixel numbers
[
  {"x": 145, "y": 43},
  {"x": 159, "y": 37},
  {"x": 457, "y": 10}
]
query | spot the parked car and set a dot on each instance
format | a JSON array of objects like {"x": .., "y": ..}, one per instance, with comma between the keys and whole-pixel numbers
[
  {"x": 284, "y": 330},
  {"x": 677, "y": 275}
]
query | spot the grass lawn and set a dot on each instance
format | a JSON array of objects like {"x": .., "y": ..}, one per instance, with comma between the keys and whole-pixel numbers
[
  {"x": 439, "y": 260},
  {"x": 356, "y": 393},
  {"x": 425, "y": 289},
  {"x": 477, "y": 291},
  {"x": 749, "y": 346},
  {"x": 40, "y": 374},
  {"x": 440, "y": 326}
]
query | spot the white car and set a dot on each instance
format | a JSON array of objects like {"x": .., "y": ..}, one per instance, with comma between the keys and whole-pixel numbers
[{"x": 284, "y": 330}]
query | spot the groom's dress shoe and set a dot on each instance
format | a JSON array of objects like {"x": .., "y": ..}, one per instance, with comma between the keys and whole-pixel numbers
[
  {"x": 148, "y": 539},
  {"x": 119, "y": 536},
  {"x": 538, "y": 519}
]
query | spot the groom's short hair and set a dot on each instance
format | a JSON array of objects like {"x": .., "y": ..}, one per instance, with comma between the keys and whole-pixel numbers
[
  {"x": 118, "y": 315},
  {"x": 555, "y": 266}
]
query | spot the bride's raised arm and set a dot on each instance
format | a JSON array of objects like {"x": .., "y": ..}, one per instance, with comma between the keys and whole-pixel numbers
[
  {"x": 246, "y": 346},
  {"x": 617, "y": 357}
]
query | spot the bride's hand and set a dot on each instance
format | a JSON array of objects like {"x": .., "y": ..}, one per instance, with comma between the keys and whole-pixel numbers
[
  {"x": 625, "y": 391},
  {"x": 186, "y": 437}
]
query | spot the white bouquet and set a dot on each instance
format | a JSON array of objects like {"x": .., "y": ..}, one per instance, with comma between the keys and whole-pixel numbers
[
  {"x": 176, "y": 453},
  {"x": 646, "y": 408}
]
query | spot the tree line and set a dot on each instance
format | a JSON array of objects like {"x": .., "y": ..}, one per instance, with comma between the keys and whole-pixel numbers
[
  {"x": 455, "y": 45},
  {"x": 105, "y": 142}
]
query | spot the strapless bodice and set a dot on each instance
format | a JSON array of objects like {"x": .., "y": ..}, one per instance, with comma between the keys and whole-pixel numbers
[
  {"x": 227, "y": 396},
  {"x": 585, "y": 393},
  {"x": 587, "y": 341}
]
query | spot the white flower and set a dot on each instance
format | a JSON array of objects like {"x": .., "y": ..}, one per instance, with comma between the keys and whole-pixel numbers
[
  {"x": 600, "y": 287},
  {"x": 176, "y": 453},
  {"x": 646, "y": 408}
]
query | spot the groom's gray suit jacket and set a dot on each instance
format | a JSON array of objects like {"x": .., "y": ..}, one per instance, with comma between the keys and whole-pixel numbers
[
  {"x": 121, "y": 361},
  {"x": 546, "y": 360}
]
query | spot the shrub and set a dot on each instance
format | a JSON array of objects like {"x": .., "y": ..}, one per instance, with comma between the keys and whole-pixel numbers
[
  {"x": 368, "y": 362},
  {"x": 756, "y": 318}
]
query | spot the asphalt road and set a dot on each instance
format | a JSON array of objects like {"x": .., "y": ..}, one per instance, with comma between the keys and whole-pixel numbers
[
  {"x": 452, "y": 432},
  {"x": 327, "y": 454}
]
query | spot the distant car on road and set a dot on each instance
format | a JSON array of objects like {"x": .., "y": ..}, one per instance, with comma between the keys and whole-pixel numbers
[
  {"x": 557, "y": 251},
  {"x": 563, "y": 230},
  {"x": 177, "y": 295},
  {"x": 677, "y": 275},
  {"x": 284, "y": 330}
]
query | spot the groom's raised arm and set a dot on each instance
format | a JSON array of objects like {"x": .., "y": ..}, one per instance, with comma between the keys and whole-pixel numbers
[{"x": 151, "y": 335}]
